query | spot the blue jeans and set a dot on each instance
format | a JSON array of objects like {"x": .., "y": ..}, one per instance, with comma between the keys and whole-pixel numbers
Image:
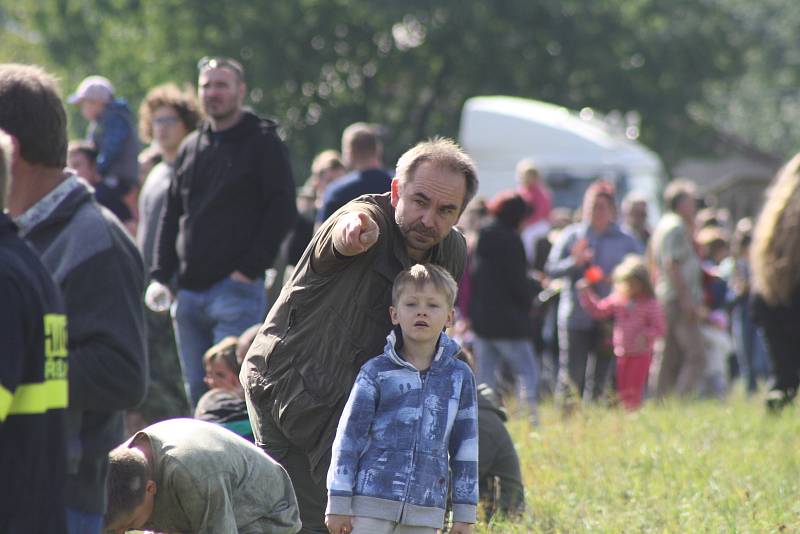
[
  {"x": 79, "y": 522},
  {"x": 748, "y": 342},
  {"x": 515, "y": 355},
  {"x": 203, "y": 318}
]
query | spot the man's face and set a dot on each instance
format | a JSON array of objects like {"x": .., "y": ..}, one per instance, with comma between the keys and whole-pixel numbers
[
  {"x": 139, "y": 516},
  {"x": 85, "y": 168},
  {"x": 601, "y": 213},
  {"x": 428, "y": 206},
  {"x": 168, "y": 128},
  {"x": 221, "y": 93},
  {"x": 637, "y": 215},
  {"x": 92, "y": 109},
  {"x": 687, "y": 207},
  {"x": 422, "y": 313}
]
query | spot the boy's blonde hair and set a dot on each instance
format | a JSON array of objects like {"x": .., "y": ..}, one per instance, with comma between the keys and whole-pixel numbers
[
  {"x": 633, "y": 267},
  {"x": 225, "y": 351},
  {"x": 421, "y": 274}
]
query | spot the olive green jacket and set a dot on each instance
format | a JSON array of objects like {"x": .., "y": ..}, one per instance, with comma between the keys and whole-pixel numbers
[
  {"x": 330, "y": 318},
  {"x": 209, "y": 481}
]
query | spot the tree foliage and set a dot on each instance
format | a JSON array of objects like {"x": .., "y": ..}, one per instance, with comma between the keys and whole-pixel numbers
[{"x": 318, "y": 65}]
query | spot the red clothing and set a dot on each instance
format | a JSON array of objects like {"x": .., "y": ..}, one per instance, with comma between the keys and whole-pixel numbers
[
  {"x": 632, "y": 374},
  {"x": 538, "y": 197},
  {"x": 637, "y": 322}
]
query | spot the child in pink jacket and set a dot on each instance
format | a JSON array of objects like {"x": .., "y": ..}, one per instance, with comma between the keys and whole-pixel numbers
[{"x": 638, "y": 321}]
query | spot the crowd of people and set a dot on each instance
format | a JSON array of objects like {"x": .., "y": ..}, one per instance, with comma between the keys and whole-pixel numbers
[{"x": 196, "y": 346}]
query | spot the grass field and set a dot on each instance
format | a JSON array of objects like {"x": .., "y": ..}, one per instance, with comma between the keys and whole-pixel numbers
[{"x": 682, "y": 467}]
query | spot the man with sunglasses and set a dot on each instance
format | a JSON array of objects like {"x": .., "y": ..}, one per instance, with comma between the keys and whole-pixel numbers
[{"x": 227, "y": 210}]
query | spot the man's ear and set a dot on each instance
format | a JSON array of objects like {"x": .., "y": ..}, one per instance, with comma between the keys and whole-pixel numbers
[
  {"x": 151, "y": 487},
  {"x": 395, "y": 192},
  {"x": 393, "y": 315}
]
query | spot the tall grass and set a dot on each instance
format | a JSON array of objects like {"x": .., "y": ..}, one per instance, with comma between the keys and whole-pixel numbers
[{"x": 702, "y": 466}]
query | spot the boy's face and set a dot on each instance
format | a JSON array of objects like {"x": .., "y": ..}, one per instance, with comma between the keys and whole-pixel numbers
[
  {"x": 92, "y": 109},
  {"x": 83, "y": 166},
  {"x": 219, "y": 376},
  {"x": 139, "y": 516},
  {"x": 422, "y": 313}
]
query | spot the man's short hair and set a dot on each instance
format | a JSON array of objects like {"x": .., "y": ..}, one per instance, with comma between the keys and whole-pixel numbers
[
  {"x": 421, "y": 274},
  {"x": 361, "y": 140},
  {"x": 170, "y": 95},
  {"x": 31, "y": 110},
  {"x": 83, "y": 147},
  {"x": 631, "y": 199},
  {"x": 6, "y": 150},
  {"x": 676, "y": 191},
  {"x": 509, "y": 208},
  {"x": 128, "y": 473},
  {"x": 442, "y": 152},
  {"x": 220, "y": 62}
]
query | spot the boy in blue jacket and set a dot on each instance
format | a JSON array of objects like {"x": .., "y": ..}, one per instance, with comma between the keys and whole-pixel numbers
[{"x": 411, "y": 417}]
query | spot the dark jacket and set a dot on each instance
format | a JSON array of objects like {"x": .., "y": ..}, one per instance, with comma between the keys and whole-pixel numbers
[
  {"x": 351, "y": 186},
  {"x": 330, "y": 318},
  {"x": 101, "y": 275},
  {"x": 227, "y": 409},
  {"x": 499, "y": 474},
  {"x": 502, "y": 291},
  {"x": 229, "y": 206},
  {"x": 33, "y": 390},
  {"x": 114, "y": 136}
]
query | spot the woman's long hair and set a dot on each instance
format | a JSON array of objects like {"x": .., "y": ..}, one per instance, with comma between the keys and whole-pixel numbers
[{"x": 775, "y": 250}]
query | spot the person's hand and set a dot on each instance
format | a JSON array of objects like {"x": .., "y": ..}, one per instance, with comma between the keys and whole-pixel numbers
[
  {"x": 461, "y": 528},
  {"x": 339, "y": 524},
  {"x": 158, "y": 297},
  {"x": 356, "y": 233},
  {"x": 582, "y": 284},
  {"x": 581, "y": 252},
  {"x": 237, "y": 276}
]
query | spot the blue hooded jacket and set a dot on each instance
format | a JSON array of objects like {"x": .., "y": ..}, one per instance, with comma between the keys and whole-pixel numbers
[{"x": 400, "y": 433}]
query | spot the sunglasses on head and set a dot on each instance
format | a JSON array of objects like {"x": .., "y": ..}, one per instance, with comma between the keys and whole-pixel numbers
[{"x": 210, "y": 62}]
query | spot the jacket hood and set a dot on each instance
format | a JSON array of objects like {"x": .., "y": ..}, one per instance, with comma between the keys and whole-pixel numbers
[
  {"x": 58, "y": 206},
  {"x": 488, "y": 399},
  {"x": 249, "y": 123},
  {"x": 446, "y": 350}
]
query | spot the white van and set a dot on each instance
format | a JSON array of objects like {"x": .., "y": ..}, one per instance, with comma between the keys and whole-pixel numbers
[{"x": 570, "y": 151}]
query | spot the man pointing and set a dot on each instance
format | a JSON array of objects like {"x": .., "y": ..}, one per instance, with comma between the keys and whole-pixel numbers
[{"x": 332, "y": 315}]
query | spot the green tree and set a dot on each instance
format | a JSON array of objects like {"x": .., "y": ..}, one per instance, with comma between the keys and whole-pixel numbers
[{"x": 318, "y": 65}]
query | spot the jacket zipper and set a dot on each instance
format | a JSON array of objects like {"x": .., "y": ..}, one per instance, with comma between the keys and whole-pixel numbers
[{"x": 422, "y": 384}]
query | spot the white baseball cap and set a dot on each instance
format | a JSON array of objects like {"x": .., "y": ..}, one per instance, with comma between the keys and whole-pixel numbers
[{"x": 92, "y": 88}]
